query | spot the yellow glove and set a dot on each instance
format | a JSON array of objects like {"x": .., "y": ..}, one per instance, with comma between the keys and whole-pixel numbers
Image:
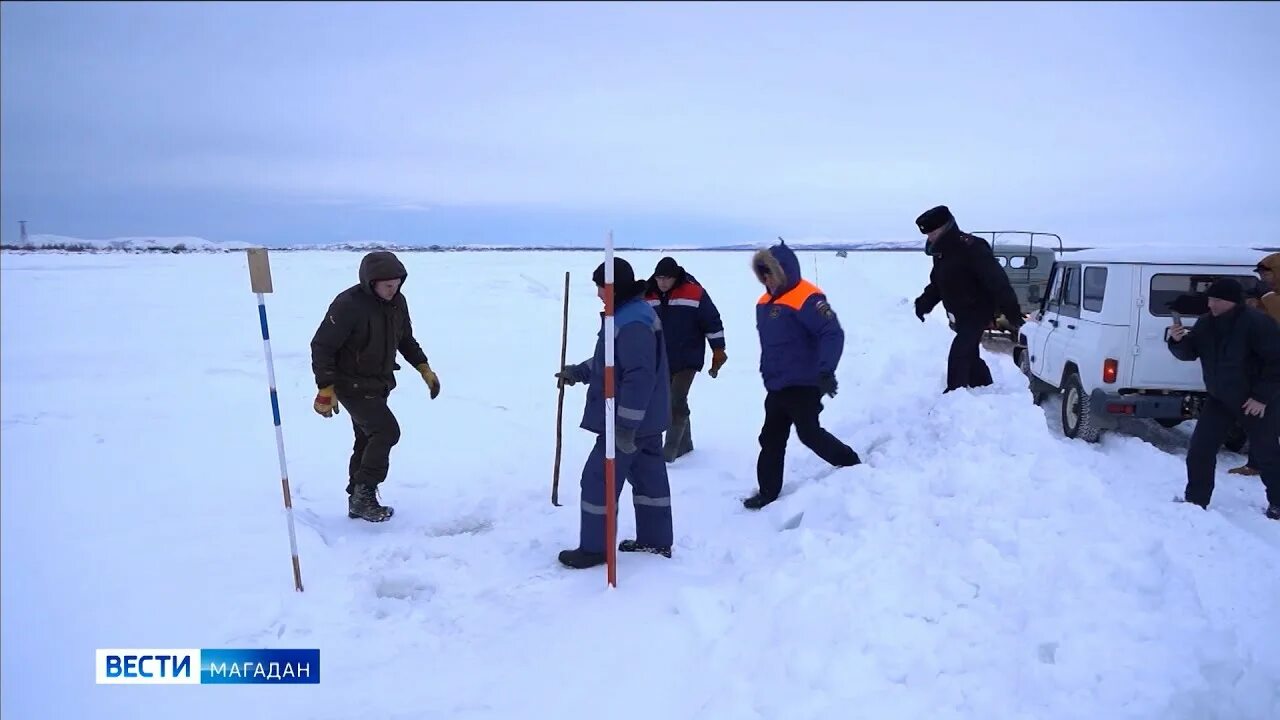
[
  {"x": 718, "y": 359},
  {"x": 326, "y": 404},
  {"x": 432, "y": 381}
]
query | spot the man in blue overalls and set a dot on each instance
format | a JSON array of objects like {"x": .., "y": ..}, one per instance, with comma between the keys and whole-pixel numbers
[{"x": 643, "y": 413}]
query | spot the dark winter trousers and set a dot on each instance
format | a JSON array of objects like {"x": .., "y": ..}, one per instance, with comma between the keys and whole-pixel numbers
[
  {"x": 681, "y": 382},
  {"x": 1215, "y": 421},
  {"x": 376, "y": 433},
  {"x": 650, "y": 494},
  {"x": 799, "y": 406},
  {"x": 965, "y": 367},
  {"x": 680, "y": 436}
]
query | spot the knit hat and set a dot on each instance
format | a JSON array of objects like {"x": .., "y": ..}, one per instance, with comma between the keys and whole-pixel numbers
[
  {"x": 934, "y": 218},
  {"x": 667, "y": 267},
  {"x": 625, "y": 285},
  {"x": 1226, "y": 289}
]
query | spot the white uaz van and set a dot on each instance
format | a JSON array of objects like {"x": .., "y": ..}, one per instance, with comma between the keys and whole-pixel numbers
[{"x": 1099, "y": 334}]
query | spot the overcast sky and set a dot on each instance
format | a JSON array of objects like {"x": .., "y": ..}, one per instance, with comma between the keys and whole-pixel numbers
[{"x": 667, "y": 123}]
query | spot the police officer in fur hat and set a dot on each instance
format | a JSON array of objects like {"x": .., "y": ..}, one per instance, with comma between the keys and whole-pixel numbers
[{"x": 971, "y": 285}]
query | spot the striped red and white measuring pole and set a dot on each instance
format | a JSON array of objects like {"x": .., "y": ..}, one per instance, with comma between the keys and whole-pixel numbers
[{"x": 610, "y": 497}]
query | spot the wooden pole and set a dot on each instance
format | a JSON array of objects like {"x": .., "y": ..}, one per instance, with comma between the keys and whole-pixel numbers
[
  {"x": 610, "y": 496},
  {"x": 564, "y": 347},
  {"x": 260, "y": 282}
]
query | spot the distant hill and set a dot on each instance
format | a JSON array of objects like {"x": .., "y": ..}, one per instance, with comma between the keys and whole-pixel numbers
[
  {"x": 178, "y": 245},
  {"x": 62, "y": 243}
]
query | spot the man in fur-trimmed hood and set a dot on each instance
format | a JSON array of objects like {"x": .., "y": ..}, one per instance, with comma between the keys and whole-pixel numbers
[{"x": 801, "y": 342}]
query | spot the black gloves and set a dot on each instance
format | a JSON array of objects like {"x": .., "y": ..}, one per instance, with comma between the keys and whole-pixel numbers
[
  {"x": 827, "y": 384},
  {"x": 921, "y": 310},
  {"x": 568, "y": 376}
]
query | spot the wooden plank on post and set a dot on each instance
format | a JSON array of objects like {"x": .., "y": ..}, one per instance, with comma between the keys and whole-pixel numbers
[{"x": 259, "y": 270}]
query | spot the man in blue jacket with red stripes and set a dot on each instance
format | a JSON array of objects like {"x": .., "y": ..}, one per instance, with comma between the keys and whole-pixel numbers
[
  {"x": 690, "y": 322},
  {"x": 642, "y": 409},
  {"x": 801, "y": 342}
]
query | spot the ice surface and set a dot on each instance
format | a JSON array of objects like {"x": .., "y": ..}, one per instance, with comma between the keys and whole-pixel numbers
[{"x": 977, "y": 566}]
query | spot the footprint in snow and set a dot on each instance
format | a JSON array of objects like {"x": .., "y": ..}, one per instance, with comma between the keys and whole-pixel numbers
[
  {"x": 461, "y": 526},
  {"x": 404, "y": 588}
]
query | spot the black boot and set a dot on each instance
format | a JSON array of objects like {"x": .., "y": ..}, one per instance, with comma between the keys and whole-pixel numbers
[
  {"x": 579, "y": 559},
  {"x": 633, "y": 546},
  {"x": 757, "y": 501},
  {"x": 363, "y": 504}
]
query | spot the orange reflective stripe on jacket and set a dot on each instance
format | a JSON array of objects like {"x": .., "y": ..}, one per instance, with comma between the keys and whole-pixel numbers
[{"x": 793, "y": 298}]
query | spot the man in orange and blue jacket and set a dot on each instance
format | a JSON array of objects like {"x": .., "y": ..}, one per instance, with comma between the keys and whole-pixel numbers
[{"x": 801, "y": 342}]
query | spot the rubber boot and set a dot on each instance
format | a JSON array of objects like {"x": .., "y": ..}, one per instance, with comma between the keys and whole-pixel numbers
[
  {"x": 674, "y": 439},
  {"x": 686, "y": 444}
]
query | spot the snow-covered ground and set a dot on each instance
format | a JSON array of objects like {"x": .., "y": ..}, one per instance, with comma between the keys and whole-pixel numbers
[{"x": 977, "y": 566}]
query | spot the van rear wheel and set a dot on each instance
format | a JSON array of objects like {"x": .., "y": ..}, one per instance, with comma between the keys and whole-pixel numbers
[{"x": 1076, "y": 421}]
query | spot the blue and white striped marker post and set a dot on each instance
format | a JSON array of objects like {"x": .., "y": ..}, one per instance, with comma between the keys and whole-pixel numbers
[{"x": 260, "y": 281}]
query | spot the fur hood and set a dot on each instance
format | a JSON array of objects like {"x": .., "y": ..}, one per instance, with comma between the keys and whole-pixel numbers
[{"x": 781, "y": 262}]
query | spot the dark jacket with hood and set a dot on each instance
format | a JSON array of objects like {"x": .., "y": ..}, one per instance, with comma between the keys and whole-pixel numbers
[
  {"x": 642, "y": 377},
  {"x": 968, "y": 281},
  {"x": 800, "y": 336},
  {"x": 690, "y": 321},
  {"x": 1239, "y": 354},
  {"x": 357, "y": 341}
]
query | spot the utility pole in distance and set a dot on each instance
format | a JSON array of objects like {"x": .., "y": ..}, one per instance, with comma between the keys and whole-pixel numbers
[{"x": 22, "y": 224}]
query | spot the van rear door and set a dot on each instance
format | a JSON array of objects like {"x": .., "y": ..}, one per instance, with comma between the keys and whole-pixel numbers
[{"x": 1159, "y": 287}]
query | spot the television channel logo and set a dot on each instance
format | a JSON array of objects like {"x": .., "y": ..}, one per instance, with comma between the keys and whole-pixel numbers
[{"x": 207, "y": 666}]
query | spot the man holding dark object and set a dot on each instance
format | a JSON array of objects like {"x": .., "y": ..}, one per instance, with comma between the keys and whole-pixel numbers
[{"x": 1239, "y": 353}]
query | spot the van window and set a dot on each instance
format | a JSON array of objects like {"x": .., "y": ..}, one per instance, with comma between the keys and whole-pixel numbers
[
  {"x": 1002, "y": 260},
  {"x": 1024, "y": 262},
  {"x": 1188, "y": 291},
  {"x": 1052, "y": 288},
  {"x": 1095, "y": 287},
  {"x": 1070, "y": 301},
  {"x": 1072, "y": 295}
]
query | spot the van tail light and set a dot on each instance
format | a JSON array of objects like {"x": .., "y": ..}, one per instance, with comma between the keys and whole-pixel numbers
[{"x": 1110, "y": 369}]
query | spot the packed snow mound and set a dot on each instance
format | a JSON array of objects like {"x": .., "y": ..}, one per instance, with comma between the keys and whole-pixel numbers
[
  {"x": 977, "y": 565},
  {"x": 128, "y": 244}
]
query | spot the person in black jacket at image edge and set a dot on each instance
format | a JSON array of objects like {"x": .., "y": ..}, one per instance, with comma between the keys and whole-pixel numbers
[
  {"x": 971, "y": 285},
  {"x": 1239, "y": 352}
]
